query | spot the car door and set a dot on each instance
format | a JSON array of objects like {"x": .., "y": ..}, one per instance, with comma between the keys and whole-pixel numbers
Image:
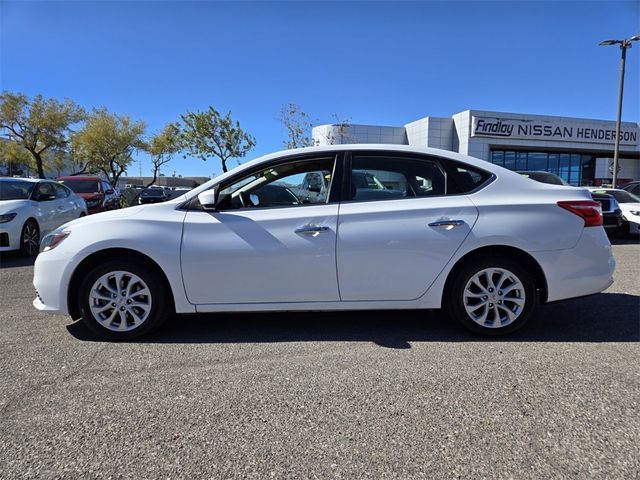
[
  {"x": 251, "y": 252},
  {"x": 47, "y": 207},
  {"x": 67, "y": 209},
  {"x": 397, "y": 227}
]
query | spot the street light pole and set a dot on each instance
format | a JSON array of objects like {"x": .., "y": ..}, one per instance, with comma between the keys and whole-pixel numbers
[{"x": 624, "y": 44}]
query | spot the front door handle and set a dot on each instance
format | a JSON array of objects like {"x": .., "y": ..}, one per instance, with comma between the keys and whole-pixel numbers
[
  {"x": 447, "y": 223},
  {"x": 311, "y": 229}
]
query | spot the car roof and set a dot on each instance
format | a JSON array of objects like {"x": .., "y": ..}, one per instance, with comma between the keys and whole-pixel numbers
[
  {"x": 21, "y": 179},
  {"x": 80, "y": 177}
]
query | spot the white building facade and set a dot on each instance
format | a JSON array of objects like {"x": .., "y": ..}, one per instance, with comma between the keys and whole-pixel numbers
[{"x": 578, "y": 150}]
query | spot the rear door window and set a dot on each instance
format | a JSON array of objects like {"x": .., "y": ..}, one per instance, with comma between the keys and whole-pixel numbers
[{"x": 376, "y": 177}]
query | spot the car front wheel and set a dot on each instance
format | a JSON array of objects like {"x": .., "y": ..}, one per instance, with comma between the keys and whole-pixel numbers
[
  {"x": 30, "y": 238},
  {"x": 123, "y": 300},
  {"x": 493, "y": 296}
]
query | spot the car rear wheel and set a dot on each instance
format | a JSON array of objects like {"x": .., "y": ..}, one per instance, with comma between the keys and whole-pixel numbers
[
  {"x": 30, "y": 238},
  {"x": 122, "y": 300},
  {"x": 493, "y": 296}
]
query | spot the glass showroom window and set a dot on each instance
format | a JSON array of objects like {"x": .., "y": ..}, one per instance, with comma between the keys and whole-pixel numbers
[{"x": 574, "y": 168}]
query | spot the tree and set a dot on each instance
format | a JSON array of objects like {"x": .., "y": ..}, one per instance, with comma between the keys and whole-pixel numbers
[
  {"x": 298, "y": 125},
  {"x": 341, "y": 135},
  {"x": 16, "y": 157},
  {"x": 107, "y": 142},
  {"x": 206, "y": 134},
  {"x": 162, "y": 147},
  {"x": 39, "y": 125}
]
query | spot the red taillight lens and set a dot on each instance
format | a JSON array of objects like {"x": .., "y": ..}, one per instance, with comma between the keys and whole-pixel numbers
[{"x": 589, "y": 210}]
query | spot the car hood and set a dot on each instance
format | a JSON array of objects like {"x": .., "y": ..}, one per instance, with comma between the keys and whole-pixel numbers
[
  {"x": 626, "y": 207},
  {"x": 7, "y": 206},
  {"x": 102, "y": 216}
]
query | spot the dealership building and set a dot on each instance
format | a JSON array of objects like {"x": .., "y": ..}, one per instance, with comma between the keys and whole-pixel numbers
[{"x": 577, "y": 149}]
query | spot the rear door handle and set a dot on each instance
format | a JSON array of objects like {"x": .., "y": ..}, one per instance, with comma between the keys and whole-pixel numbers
[
  {"x": 311, "y": 229},
  {"x": 447, "y": 223}
]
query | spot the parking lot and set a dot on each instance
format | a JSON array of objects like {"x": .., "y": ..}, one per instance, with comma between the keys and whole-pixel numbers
[{"x": 324, "y": 395}]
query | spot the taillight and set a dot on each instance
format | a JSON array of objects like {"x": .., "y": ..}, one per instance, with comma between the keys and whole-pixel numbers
[{"x": 589, "y": 210}]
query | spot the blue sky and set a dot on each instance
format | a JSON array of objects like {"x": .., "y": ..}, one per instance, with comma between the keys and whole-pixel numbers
[{"x": 382, "y": 63}]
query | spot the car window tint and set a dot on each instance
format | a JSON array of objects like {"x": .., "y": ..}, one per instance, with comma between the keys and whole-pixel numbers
[
  {"x": 463, "y": 178},
  {"x": 45, "y": 189},
  {"x": 389, "y": 178},
  {"x": 61, "y": 192},
  {"x": 289, "y": 184}
]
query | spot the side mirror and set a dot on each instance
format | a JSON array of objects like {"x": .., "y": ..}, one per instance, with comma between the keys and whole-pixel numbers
[
  {"x": 315, "y": 188},
  {"x": 45, "y": 197},
  {"x": 209, "y": 199}
]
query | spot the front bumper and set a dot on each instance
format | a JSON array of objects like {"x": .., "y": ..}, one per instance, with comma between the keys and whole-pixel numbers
[
  {"x": 10, "y": 235},
  {"x": 51, "y": 277},
  {"x": 634, "y": 227}
]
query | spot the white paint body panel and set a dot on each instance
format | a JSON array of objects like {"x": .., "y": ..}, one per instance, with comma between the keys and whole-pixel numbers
[
  {"x": 387, "y": 250},
  {"x": 374, "y": 255},
  {"x": 255, "y": 256}
]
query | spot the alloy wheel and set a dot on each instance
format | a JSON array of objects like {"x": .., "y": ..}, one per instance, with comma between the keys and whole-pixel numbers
[
  {"x": 120, "y": 301},
  {"x": 494, "y": 297},
  {"x": 31, "y": 238}
]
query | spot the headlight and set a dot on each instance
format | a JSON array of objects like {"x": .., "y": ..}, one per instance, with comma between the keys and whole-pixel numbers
[
  {"x": 7, "y": 217},
  {"x": 52, "y": 240},
  {"x": 635, "y": 212}
]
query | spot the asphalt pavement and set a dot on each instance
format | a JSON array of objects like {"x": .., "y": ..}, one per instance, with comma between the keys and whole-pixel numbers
[{"x": 324, "y": 395}]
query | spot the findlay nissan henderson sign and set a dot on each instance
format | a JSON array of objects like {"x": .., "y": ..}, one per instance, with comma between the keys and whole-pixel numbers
[{"x": 551, "y": 130}]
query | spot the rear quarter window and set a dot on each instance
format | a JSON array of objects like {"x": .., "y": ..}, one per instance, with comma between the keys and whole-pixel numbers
[{"x": 462, "y": 178}]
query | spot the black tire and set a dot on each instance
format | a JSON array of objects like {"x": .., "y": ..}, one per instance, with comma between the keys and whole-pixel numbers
[
  {"x": 82, "y": 215},
  {"x": 160, "y": 305},
  {"x": 30, "y": 238},
  {"x": 455, "y": 303},
  {"x": 623, "y": 231}
]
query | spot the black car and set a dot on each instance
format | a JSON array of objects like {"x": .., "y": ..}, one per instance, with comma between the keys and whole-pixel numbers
[
  {"x": 152, "y": 195},
  {"x": 611, "y": 214}
]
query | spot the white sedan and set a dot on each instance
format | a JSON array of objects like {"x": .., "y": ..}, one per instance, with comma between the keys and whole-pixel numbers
[
  {"x": 31, "y": 208},
  {"x": 397, "y": 228}
]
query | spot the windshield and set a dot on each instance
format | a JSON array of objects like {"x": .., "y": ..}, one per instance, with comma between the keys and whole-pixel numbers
[
  {"x": 16, "y": 190},
  {"x": 152, "y": 192},
  {"x": 82, "y": 186},
  {"x": 623, "y": 196}
]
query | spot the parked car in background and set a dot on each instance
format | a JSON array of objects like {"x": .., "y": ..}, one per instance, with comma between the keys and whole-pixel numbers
[
  {"x": 98, "y": 193},
  {"x": 630, "y": 206},
  {"x": 612, "y": 219},
  {"x": 632, "y": 187},
  {"x": 544, "y": 177},
  {"x": 152, "y": 195},
  {"x": 459, "y": 233},
  {"x": 31, "y": 208}
]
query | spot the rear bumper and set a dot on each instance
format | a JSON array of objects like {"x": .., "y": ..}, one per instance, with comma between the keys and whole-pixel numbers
[{"x": 583, "y": 270}]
